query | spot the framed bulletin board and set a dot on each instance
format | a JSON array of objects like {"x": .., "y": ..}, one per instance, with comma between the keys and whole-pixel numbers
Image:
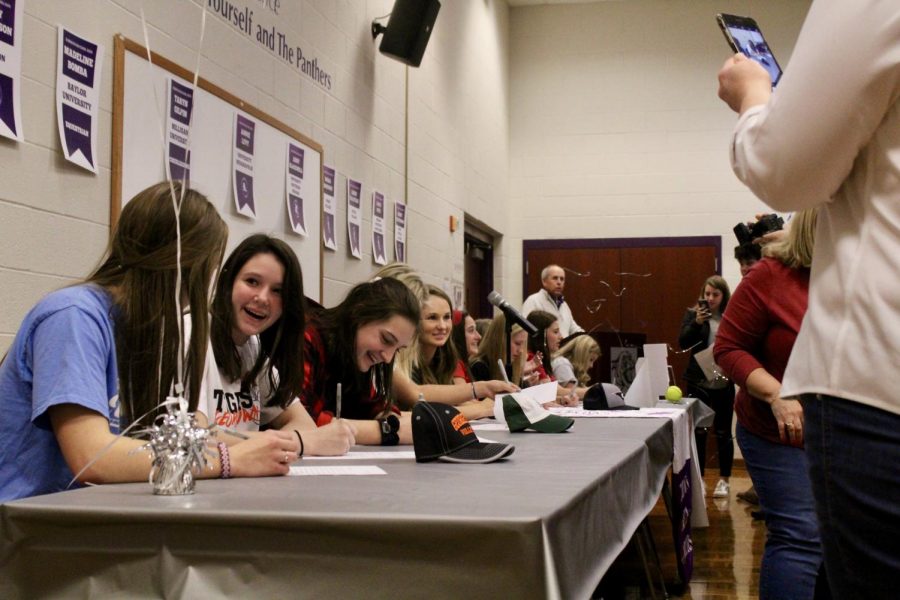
[{"x": 140, "y": 91}]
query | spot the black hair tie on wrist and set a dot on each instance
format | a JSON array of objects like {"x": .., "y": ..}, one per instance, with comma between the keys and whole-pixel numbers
[{"x": 300, "y": 439}]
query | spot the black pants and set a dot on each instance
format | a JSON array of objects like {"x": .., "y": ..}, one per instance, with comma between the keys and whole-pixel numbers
[{"x": 722, "y": 403}]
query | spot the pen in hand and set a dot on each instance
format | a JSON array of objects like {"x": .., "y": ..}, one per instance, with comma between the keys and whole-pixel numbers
[
  {"x": 503, "y": 370},
  {"x": 338, "y": 400}
]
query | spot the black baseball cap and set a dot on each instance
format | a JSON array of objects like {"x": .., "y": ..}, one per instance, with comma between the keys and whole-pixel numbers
[
  {"x": 605, "y": 396},
  {"x": 440, "y": 432}
]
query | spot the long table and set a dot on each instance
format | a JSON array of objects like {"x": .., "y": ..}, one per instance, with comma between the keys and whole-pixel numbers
[{"x": 546, "y": 523}]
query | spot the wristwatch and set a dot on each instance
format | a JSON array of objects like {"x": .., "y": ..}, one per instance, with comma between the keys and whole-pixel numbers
[{"x": 390, "y": 425}]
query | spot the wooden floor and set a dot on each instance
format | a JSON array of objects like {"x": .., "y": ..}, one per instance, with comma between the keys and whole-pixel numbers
[{"x": 726, "y": 555}]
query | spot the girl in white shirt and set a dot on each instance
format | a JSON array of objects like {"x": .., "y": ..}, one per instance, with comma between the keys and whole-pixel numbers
[{"x": 254, "y": 371}]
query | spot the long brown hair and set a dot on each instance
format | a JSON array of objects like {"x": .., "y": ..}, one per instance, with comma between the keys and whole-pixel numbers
[
  {"x": 281, "y": 346},
  {"x": 493, "y": 348},
  {"x": 140, "y": 268},
  {"x": 365, "y": 303}
]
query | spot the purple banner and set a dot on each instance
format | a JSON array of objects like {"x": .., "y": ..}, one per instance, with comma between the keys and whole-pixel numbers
[
  {"x": 245, "y": 131},
  {"x": 681, "y": 521},
  {"x": 79, "y": 59},
  {"x": 295, "y": 160},
  {"x": 328, "y": 175},
  {"x": 181, "y": 104},
  {"x": 354, "y": 188},
  {"x": 244, "y": 189},
  {"x": 296, "y": 206},
  {"x": 379, "y": 205},
  {"x": 7, "y": 106},
  {"x": 179, "y": 163},
  {"x": 7, "y": 21},
  {"x": 77, "y": 127},
  {"x": 328, "y": 226}
]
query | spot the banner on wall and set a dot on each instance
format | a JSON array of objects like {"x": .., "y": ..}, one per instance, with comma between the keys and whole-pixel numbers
[
  {"x": 378, "y": 229},
  {"x": 244, "y": 132},
  {"x": 294, "y": 192},
  {"x": 79, "y": 64},
  {"x": 329, "y": 209},
  {"x": 399, "y": 232},
  {"x": 178, "y": 130},
  {"x": 354, "y": 215},
  {"x": 11, "y": 68}
]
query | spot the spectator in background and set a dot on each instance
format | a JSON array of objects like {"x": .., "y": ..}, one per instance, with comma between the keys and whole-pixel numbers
[
  {"x": 752, "y": 347},
  {"x": 550, "y": 299},
  {"x": 832, "y": 140},
  {"x": 698, "y": 333}
]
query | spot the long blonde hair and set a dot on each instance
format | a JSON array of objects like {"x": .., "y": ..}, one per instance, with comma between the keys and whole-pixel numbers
[
  {"x": 578, "y": 351},
  {"x": 440, "y": 369},
  {"x": 493, "y": 348},
  {"x": 795, "y": 249}
]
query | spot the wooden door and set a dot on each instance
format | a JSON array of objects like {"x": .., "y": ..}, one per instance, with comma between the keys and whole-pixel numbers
[{"x": 629, "y": 286}]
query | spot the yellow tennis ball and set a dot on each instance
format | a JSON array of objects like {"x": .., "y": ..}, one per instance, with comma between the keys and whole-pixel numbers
[{"x": 673, "y": 394}]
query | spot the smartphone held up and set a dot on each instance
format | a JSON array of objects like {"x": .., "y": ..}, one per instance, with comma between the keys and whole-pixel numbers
[{"x": 744, "y": 36}]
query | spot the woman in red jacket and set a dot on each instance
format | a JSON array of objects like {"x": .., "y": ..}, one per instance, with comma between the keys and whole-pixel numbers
[{"x": 753, "y": 345}]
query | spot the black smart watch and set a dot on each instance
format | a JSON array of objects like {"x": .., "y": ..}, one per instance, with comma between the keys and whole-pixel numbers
[{"x": 390, "y": 425}]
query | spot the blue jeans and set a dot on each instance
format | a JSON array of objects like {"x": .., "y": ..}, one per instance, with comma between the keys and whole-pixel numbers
[
  {"x": 854, "y": 459},
  {"x": 793, "y": 554}
]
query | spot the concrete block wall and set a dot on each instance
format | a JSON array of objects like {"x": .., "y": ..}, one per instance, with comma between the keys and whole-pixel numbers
[
  {"x": 615, "y": 126},
  {"x": 54, "y": 217}
]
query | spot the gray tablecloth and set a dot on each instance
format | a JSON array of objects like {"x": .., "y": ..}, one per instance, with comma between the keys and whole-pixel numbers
[{"x": 548, "y": 522}]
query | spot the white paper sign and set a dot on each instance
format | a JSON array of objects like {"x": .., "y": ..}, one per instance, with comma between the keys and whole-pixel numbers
[
  {"x": 329, "y": 216},
  {"x": 294, "y": 190},
  {"x": 244, "y": 135},
  {"x": 79, "y": 64},
  {"x": 378, "y": 229},
  {"x": 11, "y": 25},
  {"x": 337, "y": 470},
  {"x": 641, "y": 391},
  {"x": 354, "y": 216},
  {"x": 656, "y": 357}
]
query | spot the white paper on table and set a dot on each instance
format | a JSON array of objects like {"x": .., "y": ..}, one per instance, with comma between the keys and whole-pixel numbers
[
  {"x": 543, "y": 393},
  {"x": 358, "y": 470},
  {"x": 362, "y": 455},
  {"x": 656, "y": 356},
  {"x": 646, "y": 413},
  {"x": 641, "y": 391},
  {"x": 489, "y": 427}
]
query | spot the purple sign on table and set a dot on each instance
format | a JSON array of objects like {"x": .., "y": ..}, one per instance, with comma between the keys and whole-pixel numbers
[{"x": 681, "y": 520}]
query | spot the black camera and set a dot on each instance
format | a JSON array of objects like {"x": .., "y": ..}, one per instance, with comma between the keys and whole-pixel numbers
[{"x": 745, "y": 234}]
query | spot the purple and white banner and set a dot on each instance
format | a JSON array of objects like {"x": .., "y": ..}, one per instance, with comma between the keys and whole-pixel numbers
[
  {"x": 178, "y": 130},
  {"x": 378, "y": 229},
  {"x": 244, "y": 133},
  {"x": 399, "y": 232},
  {"x": 11, "y": 68},
  {"x": 79, "y": 64},
  {"x": 293, "y": 187},
  {"x": 329, "y": 216},
  {"x": 354, "y": 215}
]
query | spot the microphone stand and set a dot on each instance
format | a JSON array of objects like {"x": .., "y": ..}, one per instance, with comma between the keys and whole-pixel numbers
[{"x": 508, "y": 365}]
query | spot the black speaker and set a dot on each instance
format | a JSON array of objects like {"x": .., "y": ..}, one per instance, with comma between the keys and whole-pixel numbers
[{"x": 408, "y": 30}]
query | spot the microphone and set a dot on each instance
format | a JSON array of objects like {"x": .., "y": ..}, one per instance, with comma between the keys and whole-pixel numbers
[{"x": 511, "y": 313}]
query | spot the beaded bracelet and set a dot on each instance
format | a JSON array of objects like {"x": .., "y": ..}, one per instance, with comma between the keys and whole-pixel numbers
[{"x": 225, "y": 461}]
